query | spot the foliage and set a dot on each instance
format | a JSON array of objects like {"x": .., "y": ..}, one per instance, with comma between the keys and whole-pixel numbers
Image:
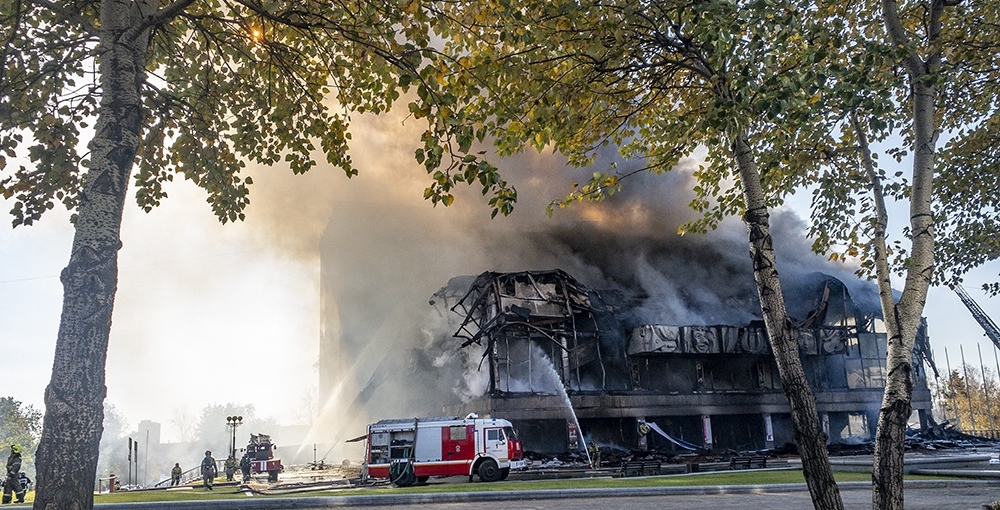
[
  {"x": 970, "y": 398},
  {"x": 966, "y": 184},
  {"x": 184, "y": 422},
  {"x": 229, "y": 83},
  {"x": 870, "y": 84},
  {"x": 20, "y": 424},
  {"x": 656, "y": 80},
  {"x": 791, "y": 93}
]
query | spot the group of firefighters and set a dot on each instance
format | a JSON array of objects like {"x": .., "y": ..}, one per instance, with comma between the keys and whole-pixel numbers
[
  {"x": 209, "y": 469},
  {"x": 15, "y": 483}
]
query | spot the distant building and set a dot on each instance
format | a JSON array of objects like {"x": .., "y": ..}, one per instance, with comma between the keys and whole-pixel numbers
[{"x": 148, "y": 431}]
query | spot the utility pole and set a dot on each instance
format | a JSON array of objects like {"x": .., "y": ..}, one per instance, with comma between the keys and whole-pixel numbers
[
  {"x": 968, "y": 393},
  {"x": 986, "y": 393}
]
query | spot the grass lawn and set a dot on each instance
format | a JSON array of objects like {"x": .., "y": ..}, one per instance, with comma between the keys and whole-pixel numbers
[{"x": 721, "y": 478}]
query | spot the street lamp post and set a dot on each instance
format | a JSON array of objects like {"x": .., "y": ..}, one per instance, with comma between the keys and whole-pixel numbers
[{"x": 233, "y": 422}]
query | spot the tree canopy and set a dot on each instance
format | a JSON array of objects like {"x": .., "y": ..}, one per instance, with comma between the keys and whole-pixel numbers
[{"x": 224, "y": 84}]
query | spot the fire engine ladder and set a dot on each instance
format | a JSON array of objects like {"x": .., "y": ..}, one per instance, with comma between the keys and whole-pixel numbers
[{"x": 992, "y": 331}]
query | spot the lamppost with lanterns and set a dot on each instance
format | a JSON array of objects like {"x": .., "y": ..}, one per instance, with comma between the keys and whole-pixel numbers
[{"x": 233, "y": 422}]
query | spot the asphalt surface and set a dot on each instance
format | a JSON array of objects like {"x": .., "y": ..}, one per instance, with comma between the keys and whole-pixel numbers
[{"x": 920, "y": 495}]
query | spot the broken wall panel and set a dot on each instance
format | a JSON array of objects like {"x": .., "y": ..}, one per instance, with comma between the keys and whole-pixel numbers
[
  {"x": 667, "y": 339},
  {"x": 552, "y": 311}
]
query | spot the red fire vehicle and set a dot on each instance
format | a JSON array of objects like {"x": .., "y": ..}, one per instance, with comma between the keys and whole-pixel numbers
[
  {"x": 409, "y": 451},
  {"x": 260, "y": 450}
]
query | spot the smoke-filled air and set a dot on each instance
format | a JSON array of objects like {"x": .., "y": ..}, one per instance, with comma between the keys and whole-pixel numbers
[{"x": 387, "y": 349}]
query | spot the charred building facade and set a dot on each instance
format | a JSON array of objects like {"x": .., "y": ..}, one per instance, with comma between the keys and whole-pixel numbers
[{"x": 565, "y": 361}]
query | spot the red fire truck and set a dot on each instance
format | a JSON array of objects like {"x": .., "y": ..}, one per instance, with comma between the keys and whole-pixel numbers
[
  {"x": 411, "y": 450},
  {"x": 260, "y": 450}
]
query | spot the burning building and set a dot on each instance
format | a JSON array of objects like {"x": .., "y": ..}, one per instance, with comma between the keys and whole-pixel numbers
[
  {"x": 639, "y": 324},
  {"x": 564, "y": 360}
]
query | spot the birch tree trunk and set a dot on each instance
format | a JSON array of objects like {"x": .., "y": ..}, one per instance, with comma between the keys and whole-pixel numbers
[
  {"x": 66, "y": 460},
  {"x": 808, "y": 431},
  {"x": 903, "y": 318}
]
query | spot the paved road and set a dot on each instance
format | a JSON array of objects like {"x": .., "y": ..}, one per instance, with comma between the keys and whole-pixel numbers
[
  {"x": 920, "y": 495},
  {"x": 971, "y": 498}
]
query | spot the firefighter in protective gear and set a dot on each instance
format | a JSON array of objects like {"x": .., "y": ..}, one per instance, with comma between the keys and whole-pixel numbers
[
  {"x": 208, "y": 470},
  {"x": 12, "y": 482},
  {"x": 595, "y": 454},
  {"x": 231, "y": 466},
  {"x": 245, "y": 467},
  {"x": 175, "y": 474}
]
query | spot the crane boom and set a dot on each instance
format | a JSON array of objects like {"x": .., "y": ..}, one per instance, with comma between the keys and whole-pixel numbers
[{"x": 992, "y": 331}]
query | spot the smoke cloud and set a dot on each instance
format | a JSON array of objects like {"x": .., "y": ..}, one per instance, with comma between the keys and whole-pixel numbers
[{"x": 385, "y": 251}]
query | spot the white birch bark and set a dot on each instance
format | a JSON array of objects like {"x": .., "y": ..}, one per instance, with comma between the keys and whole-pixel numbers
[
  {"x": 903, "y": 318},
  {"x": 808, "y": 431}
]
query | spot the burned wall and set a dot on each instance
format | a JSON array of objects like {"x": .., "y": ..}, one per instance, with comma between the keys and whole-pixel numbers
[{"x": 539, "y": 335}]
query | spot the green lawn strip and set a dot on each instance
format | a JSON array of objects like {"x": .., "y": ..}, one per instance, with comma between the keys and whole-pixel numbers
[
  {"x": 724, "y": 478},
  {"x": 727, "y": 478}
]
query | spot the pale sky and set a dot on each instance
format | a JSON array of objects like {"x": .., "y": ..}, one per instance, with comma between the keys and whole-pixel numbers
[
  {"x": 196, "y": 300},
  {"x": 241, "y": 302}
]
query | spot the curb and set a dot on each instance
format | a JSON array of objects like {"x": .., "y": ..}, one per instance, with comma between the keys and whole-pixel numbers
[{"x": 304, "y": 503}]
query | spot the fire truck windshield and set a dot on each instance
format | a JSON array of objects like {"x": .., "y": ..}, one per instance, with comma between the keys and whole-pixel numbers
[{"x": 510, "y": 432}]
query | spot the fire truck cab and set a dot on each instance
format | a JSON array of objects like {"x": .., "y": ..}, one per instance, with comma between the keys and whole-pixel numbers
[{"x": 411, "y": 450}]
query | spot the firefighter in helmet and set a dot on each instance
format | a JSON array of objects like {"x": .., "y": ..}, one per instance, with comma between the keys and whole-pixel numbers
[
  {"x": 231, "y": 465},
  {"x": 208, "y": 470},
  {"x": 175, "y": 474},
  {"x": 12, "y": 482},
  {"x": 595, "y": 454},
  {"x": 245, "y": 467}
]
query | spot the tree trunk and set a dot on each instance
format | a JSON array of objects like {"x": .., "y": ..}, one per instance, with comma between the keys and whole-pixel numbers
[
  {"x": 809, "y": 435},
  {"x": 66, "y": 460},
  {"x": 902, "y": 319}
]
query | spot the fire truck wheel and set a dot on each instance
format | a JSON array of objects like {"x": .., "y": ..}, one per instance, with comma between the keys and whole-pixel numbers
[
  {"x": 405, "y": 479},
  {"x": 489, "y": 471},
  {"x": 422, "y": 479},
  {"x": 504, "y": 473},
  {"x": 272, "y": 476}
]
